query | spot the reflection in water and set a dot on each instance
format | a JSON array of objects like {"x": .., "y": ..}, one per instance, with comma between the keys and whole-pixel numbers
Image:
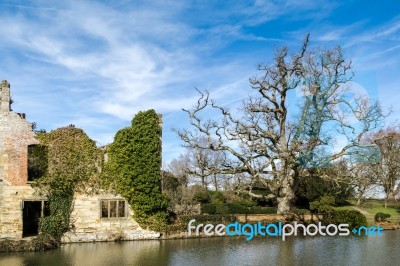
[{"x": 222, "y": 251}]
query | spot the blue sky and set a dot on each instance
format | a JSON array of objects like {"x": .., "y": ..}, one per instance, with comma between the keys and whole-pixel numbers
[{"x": 97, "y": 63}]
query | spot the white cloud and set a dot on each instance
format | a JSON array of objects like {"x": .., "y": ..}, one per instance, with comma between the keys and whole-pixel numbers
[{"x": 95, "y": 64}]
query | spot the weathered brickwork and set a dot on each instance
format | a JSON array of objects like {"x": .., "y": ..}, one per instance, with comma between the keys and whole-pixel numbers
[{"x": 16, "y": 135}]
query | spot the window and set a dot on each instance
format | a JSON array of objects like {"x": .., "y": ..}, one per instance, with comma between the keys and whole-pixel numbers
[
  {"x": 37, "y": 161},
  {"x": 32, "y": 210},
  {"x": 113, "y": 209}
]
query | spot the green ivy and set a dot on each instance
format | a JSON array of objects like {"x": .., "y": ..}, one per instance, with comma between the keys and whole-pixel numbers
[
  {"x": 73, "y": 162},
  {"x": 37, "y": 161},
  {"x": 133, "y": 169},
  {"x": 58, "y": 222}
]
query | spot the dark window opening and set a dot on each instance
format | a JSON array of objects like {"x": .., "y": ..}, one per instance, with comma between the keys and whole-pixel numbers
[
  {"x": 37, "y": 161},
  {"x": 31, "y": 213},
  {"x": 113, "y": 209}
]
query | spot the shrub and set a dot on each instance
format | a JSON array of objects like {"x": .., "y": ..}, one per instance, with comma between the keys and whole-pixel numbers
[
  {"x": 218, "y": 197},
  {"x": 237, "y": 208},
  {"x": 354, "y": 218},
  {"x": 323, "y": 204},
  {"x": 381, "y": 217},
  {"x": 246, "y": 203},
  {"x": 208, "y": 208},
  {"x": 202, "y": 196},
  {"x": 221, "y": 208}
]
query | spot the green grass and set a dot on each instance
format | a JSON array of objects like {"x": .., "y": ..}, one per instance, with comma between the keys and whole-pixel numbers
[
  {"x": 374, "y": 206},
  {"x": 341, "y": 208},
  {"x": 391, "y": 211}
]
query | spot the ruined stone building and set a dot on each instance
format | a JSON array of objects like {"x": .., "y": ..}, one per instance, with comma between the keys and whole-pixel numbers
[{"x": 99, "y": 217}]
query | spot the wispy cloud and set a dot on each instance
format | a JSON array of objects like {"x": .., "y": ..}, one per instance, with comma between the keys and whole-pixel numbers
[{"x": 96, "y": 63}]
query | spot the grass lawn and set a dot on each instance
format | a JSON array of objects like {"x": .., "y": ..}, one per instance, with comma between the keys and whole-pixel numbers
[
  {"x": 347, "y": 208},
  {"x": 374, "y": 206}
]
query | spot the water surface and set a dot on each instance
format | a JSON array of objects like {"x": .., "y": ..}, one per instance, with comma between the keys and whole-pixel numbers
[{"x": 316, "y": 250}]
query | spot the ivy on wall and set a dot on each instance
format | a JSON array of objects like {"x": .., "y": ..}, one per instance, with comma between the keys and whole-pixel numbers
[
  {"x": 37, "y": 161},
  {"x": 133, "y": 169},
  {"x": 73, "y": 160}
]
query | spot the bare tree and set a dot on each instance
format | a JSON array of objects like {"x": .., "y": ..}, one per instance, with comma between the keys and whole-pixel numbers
[
  {"x": 363, "y": 182},
  {"x": 268, "y": 144},
  {"x": 180, "y": 169},
  {"x": 360, "y": 177},
  {"x": 197, "y": 164},
  {"x": 387, "y": 170},
  {"x": 204, "y": 164}
]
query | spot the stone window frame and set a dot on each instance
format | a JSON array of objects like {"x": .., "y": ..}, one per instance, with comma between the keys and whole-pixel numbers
[{"x": 109, "y": 200}]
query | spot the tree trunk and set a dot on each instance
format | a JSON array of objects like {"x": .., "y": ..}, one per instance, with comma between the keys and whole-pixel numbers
[
  {"x": 215, "y": 182},
  {"x": 390, "y": 196},
  {"x": 285, "y": 196},
  {"x": 284, "y": 204},
  {"x": 358, "y": 201},
  {"x": 203, "y": 180}
]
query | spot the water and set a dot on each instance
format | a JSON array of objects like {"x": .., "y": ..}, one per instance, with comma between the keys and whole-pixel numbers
[{"x": 223, "y": 251}]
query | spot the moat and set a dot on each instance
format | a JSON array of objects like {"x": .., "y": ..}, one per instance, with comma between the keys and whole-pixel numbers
[{"x": 352, "y": 250}]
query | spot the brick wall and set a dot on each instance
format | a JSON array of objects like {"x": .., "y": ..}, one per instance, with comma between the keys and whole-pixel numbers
[{"x": 15, "y": 136}]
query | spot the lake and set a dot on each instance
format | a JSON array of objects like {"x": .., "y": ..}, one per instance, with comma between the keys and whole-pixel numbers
[{"x": 351, "y": 250}]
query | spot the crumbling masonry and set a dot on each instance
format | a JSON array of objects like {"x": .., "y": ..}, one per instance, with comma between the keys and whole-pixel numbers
[{"x": 100, "y": 217}]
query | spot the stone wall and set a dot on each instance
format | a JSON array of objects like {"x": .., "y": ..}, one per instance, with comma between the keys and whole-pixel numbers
[
  {"x": 89, "y": 226},
  {"x": 12, "y": 198}
]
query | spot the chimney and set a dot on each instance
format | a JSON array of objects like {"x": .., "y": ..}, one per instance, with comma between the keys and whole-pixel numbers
[{"x": 5, "y": 96}]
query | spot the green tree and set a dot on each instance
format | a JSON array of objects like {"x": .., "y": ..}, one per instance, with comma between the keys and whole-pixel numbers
[
  {"x": 333, "y": 181},
  {"x": 133, "y": 169}
]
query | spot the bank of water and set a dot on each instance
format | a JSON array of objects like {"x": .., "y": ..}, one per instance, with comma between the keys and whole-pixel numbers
[{"x": 318, "y": 250}]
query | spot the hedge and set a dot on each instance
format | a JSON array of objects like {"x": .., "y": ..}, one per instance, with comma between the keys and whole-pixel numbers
[
  {"x": 354, "y": 218},
  {"x": 381, "y": 217},
  {"x": 235, "y": 208}
]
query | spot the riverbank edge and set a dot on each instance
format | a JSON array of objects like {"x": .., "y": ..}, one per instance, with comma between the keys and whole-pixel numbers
[{"x": 29, "y": 244}]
